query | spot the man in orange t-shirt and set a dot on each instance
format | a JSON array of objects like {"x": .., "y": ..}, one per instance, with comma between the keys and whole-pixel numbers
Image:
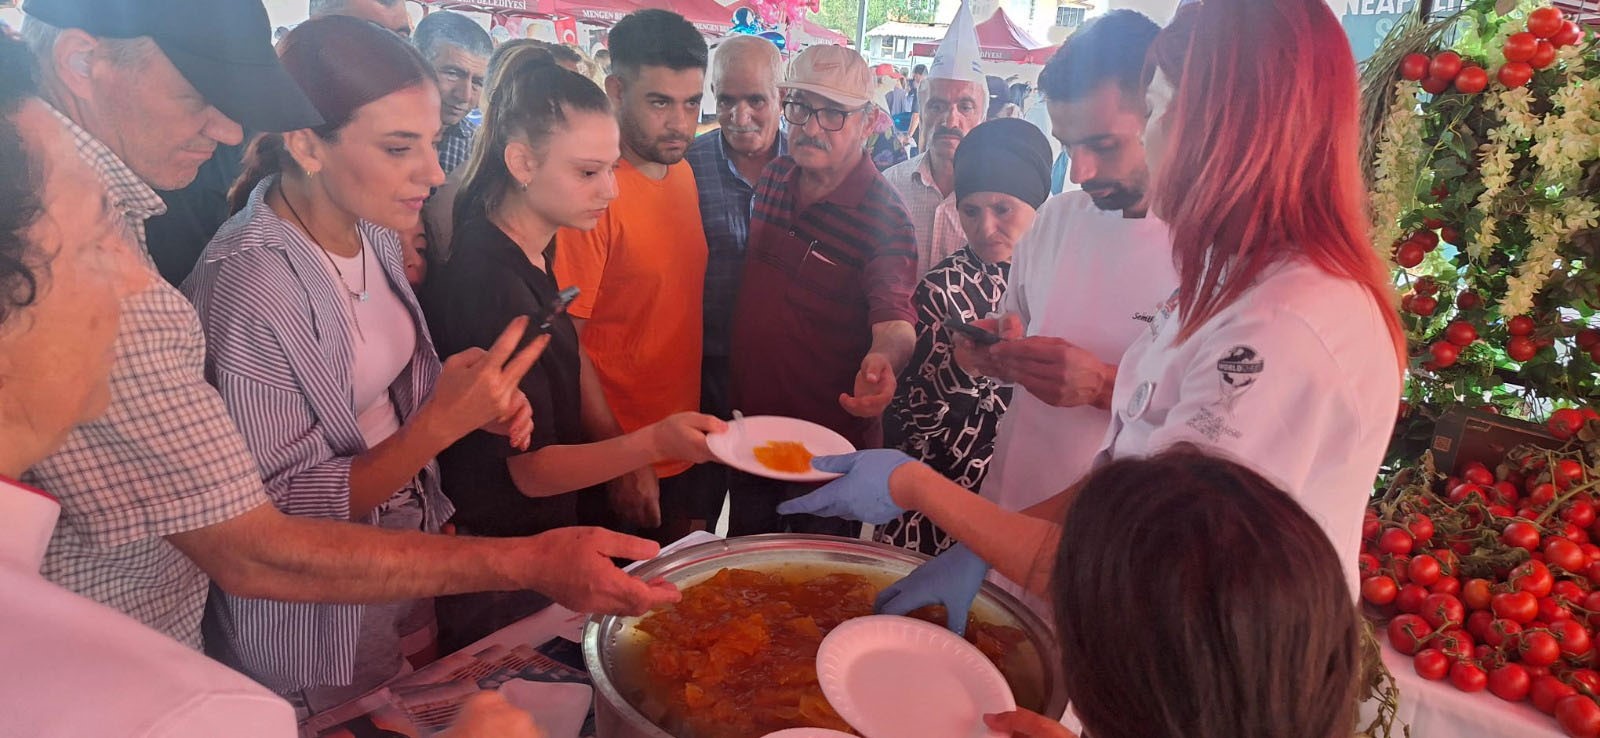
[{"x": 642, "y": 269}]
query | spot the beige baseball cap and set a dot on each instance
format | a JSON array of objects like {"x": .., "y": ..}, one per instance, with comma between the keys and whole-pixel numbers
[{"x": 834, "y": 72}]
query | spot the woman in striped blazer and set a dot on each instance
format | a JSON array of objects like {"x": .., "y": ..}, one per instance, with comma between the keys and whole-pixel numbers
[{"x": 320, "y": 351}]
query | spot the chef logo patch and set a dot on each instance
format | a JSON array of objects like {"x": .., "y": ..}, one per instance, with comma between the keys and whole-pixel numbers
[{"x": 1239, "y": 368}]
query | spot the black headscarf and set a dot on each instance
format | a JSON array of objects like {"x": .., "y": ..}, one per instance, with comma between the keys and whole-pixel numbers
[{"x": 1008, "y": 155}]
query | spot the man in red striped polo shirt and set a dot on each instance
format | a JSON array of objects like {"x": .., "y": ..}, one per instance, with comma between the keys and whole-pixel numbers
[{"x": 824, "y": 322}]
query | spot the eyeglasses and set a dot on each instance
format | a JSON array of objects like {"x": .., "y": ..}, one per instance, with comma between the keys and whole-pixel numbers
[{"x": 831, "y": 119}]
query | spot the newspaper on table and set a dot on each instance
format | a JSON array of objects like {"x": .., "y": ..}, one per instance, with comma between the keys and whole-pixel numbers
[{"x": 536, "y": 663}]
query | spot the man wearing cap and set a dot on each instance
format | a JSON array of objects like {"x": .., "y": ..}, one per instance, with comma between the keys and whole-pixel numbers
[
  {"x": 459, "y": 51},
  {"x": 823, "y": 323},
  {"x": 161, "y": 492},
  {"x": 956, "y": 101}
]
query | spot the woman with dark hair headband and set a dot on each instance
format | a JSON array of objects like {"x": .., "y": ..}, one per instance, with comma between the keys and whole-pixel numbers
[{"x": 946, "y": 415}]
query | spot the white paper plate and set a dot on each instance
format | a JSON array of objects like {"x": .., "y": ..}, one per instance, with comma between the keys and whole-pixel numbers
[
  {"x": 895, "y": 677},
  {"x": 808, "y": 733},
  {"x": 558, "y": 707},
  {"x": 736, "y": 446}
]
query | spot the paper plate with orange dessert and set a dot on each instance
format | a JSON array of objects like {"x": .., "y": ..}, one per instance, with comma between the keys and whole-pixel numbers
[{"x": 777, "y": 447}]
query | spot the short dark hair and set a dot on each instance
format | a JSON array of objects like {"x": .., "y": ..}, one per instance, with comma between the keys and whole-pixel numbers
[
  {"x": 446, "y": 28},
  {"x": 919, "y": 69},
  {"x": 1110, "y": 49},
  {"x": 21, "y": 181},
  {"x": 655, "y": 38},
  {"x": 1241, "y": 622}
]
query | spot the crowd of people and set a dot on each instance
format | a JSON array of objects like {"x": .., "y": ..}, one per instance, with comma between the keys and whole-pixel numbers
[{"x": 328, "y": 356}]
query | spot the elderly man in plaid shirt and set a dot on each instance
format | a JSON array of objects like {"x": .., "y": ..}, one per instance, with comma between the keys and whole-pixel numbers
[{"x": 160, "y": 496}]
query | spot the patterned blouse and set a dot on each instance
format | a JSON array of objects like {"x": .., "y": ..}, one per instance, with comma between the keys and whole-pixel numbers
[{"x": 947, "y": 417}]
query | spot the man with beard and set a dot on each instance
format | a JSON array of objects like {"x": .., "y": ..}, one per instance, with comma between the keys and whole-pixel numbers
[
  {"x": 641, "y": 271},
  {"x": 1083, "y": 280},
  {"x": 823, "y": 323},
  {"x": 956, "y": 101},
  {"x": 459, "y": 51}
]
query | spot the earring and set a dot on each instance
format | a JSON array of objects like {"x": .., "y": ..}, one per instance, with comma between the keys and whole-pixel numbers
[{"x": 524, "y": 185}]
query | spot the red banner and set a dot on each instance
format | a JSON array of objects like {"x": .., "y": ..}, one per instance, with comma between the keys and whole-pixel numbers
[{"x": 567, "y": 30}]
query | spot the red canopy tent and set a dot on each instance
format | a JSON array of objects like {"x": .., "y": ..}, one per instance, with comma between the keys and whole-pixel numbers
[{"x": 999, "y": 39}]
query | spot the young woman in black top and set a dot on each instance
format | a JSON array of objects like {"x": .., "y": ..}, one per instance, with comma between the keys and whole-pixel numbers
[{"x": 543, "y": 161}]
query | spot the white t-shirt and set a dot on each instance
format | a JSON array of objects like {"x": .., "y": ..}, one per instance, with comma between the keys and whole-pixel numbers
[
  {"x": 74, "y": 667},
  {"x": 1091, "y": 277},
  {"x": 1297, "y": 379},
  {"x": 385, "y": 339}
]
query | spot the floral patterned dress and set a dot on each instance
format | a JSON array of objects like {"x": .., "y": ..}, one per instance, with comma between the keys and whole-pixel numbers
[{"x": 947, "y": 418}]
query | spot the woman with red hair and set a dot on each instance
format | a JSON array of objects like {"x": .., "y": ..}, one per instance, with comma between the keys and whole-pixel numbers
[{"x": 1281, "y": 348}]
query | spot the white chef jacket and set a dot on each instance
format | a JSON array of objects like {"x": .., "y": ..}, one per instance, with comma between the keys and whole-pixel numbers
[
  {"x": 1297, "y": 380},
  {"x": 1091, "y": 277},
  {"x": 74, "y": 667}
]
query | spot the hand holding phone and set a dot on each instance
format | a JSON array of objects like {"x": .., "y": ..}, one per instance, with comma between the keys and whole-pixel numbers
[
  {"x": 977, "y": 335},
  {"x": 541, "y": 322}
]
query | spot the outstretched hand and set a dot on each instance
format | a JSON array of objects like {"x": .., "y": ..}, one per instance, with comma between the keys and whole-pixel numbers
[
  {"x": 861, "y": 494},
  {"x": 951, "y": 579}
]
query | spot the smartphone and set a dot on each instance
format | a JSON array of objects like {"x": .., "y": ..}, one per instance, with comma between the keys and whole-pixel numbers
[
  {"x": 978, "y": 335},
  {"x": 542, "y": 321}
]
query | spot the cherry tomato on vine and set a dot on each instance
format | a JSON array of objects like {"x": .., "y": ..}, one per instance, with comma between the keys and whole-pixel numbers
[
  {"x": 1445, "y": 66},
  {"x": 1532, "y": 577},
  {"x": 1415, "y": 66},
  {"x": 1565, "y": 554},
  {"x": 1407, "y": 631},
  {"x": 1368, "y": 565},
  {"x": 1476, "y": 595},
  {"x": 1510, "y": 682},
  {"x": 1586, "y": 678},
  {"x": 1565, "y": 423},
  {"x": 1502, "y": 631},
  {"x": 1460, "y": 333},
  {"x": 1411, "y": 597},
  {"x": 1398, "y": 541},
  {"x": 1579, "y": 716},
  {"x": 1455, "y": 642},
  {"x": 1432, "y": 664},
  {"x": 1371, "y": 526},
  {"x": 1567, "y": 472},
  {"x": 1573, "y": 637},
  {"x": 1421, "y": 526},
  {"x": 1521, "y": 325},
  {"x": 1409, "y": 254},
  {"x": 1542, "y": 494},
  {"x": 1423, "y": 570},
  {"x": 1450, "y": 235},
  {"x": 1477, "y": 473},
  {"x": 1538, "y": 648},
  {"x": 1435, "y": 86},
  {"x": 1468, "y": 300},
  {"x": 1552, "y": 611},
  {"x": 1441, "y": 610},
  {"x": 1519, "y": 47},
  {"x": 1521, "y": 348},
  {"x": 1578, "y": 512},
  {"x": 1379, "y": 590},
  {"x": 1571, "y": 34},
  {"x": 1446, "y": 586},
  {"x": 1468, "y": 677},
  {"x": 1519, "y": 607},
  {"x": 1478, "y": 624},
  {"x": 1545, "y": 22},
  {"x": 1544, "y": 54},
  {"x": 1515, "y": 74},
  {"x": 1518, "y": 535},
  {"x": 1547, "y": 690}
]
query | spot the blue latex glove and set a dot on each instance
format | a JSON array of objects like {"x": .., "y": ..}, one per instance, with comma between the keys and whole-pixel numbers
[
  {"x": 951, "y": 579},
  {"x": 861, "y": 494}
]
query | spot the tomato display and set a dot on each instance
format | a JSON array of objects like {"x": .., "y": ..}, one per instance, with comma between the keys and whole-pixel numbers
[{"x": 1488, "y": 578}]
